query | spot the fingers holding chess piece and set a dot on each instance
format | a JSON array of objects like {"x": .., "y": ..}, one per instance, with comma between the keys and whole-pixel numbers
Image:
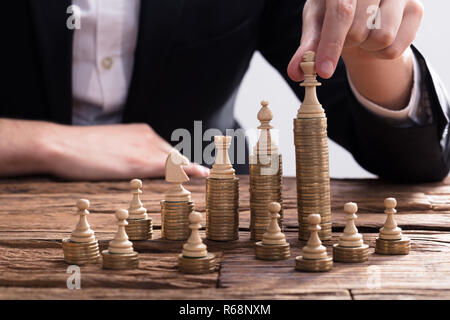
[
  {"x": 82, "y": 246},
  {"x": 351, "y": 247},
  {"x": 314, "y": 258},
  {"x": 391, "y": 240},
  {"x": 195, "y": 258},
  {"x": 139, "y": 223},
  {"x": 120, "y": 253},
  {"x": 273, "y": 245}
]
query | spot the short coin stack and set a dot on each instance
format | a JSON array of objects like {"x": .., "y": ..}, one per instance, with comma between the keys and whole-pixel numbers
[
  {"x": 139, "y": 223},
  {"x": 311, "y": 150},
  {"x": 351, "y": 247},
  {"x": 391, "y": 240},
  {"x": 177, "y": 205},
  {"x": 314, "y": 258},
  {"x": 120, "y": 254},
  {"x": 273, "y": 245},
  {"x": 222, "y": 196},
  {"x": 82, "y": 247},
  {"x": 195, "y": 258},
  {"x": 266, "y": 174}
]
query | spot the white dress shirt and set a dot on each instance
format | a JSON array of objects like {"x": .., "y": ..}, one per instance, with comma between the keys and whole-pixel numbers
[{"x": 103, "y": 54}]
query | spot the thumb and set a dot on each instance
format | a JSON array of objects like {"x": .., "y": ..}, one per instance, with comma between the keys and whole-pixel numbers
[
  {"x": 313, "y": 15},
  {"x": 196, "y": 170}
]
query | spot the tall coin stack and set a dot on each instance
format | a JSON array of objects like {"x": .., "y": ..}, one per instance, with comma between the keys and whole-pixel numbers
[
  {"x": 266, "y": 174},
  {"x": 222, "y": 196},
  {"x": 82, "y": 247},
  {"x": 177, "y": 205},
  {"x": 311, "y": 151},
  {"x": 139, "y": 223}
]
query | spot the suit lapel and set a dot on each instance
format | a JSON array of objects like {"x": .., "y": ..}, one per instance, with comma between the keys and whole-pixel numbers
[
  {"x": 156, "y": 28},
  {"x": 54, "y": 43}
]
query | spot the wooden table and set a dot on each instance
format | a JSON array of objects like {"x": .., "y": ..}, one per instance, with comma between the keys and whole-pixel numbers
[{"x": 35, "y": 214}]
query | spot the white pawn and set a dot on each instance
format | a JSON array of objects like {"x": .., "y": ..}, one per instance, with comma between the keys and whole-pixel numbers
[
  {"x": 273, "y": 234},
  {"x": 83, "y": 232},
  {"x": 390, "y": 230},
  {"x": 120, "y": 244},
  {"x": 351, "y": 237},
  {"x": 136, "y": 209},
  {"x": 194, "y": 248},
  {"x": 314, "y": 249}
]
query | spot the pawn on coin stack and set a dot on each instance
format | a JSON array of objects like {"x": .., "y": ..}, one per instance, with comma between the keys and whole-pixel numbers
[
  {"x": 273, "y": 245},
  {"x": 222, "y": 196},
  {"x": 177, "y": 204},
  {"x": 351, "y": 247},
  {"x": 120, "y": 253},
  {"x": 266, "y": 176},
  {"x": 82, "y": 247},
  {"x": 315, "y": 258},
  {"x": 391, "y": 240},
  {"x": 195, "y": 258},
  {"x": 139, "y": 223}
]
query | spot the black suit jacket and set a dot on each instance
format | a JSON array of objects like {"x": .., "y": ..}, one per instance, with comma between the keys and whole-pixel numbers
[{"x": 190, "y": 59}]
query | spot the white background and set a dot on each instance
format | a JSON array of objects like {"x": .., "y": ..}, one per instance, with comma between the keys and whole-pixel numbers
[{"x": 263, "y": 82}]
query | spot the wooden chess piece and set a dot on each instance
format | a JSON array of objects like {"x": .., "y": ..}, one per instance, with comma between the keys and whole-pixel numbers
[
  {"x": 195, "y": 258},
  {"x": 311, "y": 153},
  {"x": 82, "y": 246},
  {"x": 351, "y": 247},
  {"x": 314, "y": 258},
  {"x": 391, "y": 240},
  {"x": 139, "y": 223},
  {"x": 273, "y": 245},
  {"x": 177, "y": 204},
  {"x": 120, "y": 253}
]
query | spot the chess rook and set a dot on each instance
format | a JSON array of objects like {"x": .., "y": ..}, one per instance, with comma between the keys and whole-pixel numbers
[
  {"x": 120, "y": 253},
  {"x": 82, "y": 246},
  {"x": 177, "y": 204},
  {"x": 314, "y": 258},
  {"x": 195, "y": 258},
  {"x": 311, "y": 153},
  {"x": 273, "y": 245},
  {"x": 351, "y": 247},
  {"x": 139, "y": 223},
  {"x": 266, "y": 176},
  {"x": 391, "y": 240},
  {"x": 222, "y": 196}
]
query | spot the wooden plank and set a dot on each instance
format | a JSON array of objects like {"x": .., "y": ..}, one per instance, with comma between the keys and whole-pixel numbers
[{"x": 404, "y": 294}]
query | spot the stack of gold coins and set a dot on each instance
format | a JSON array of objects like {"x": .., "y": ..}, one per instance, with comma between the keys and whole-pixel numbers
[
  {"x": 351, "y": 255},
  {"x": 175, "y": 219},
  {"x": 82, "y": 247},
  {"x": 222, "y": 209},
  {"x": 120, "y": 261},
  {"x": 139, "y": 223},
  {"x": 264, "y": 189},
  {"x": 80, "y": 253},
  {"x": 311, "y": 151},
  {"x": 197, "y": 265},
  {"x": 139, "y": 229},
  {"x": 393, "y": 247},
  {"x": 222, "y": 196}
]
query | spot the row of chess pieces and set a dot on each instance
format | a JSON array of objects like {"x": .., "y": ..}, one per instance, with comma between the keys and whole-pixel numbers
[{"x": 82, "y": 246}]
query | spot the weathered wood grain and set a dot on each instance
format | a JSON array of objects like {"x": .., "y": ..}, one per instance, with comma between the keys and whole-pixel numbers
[{"x": 35, "y": 214}]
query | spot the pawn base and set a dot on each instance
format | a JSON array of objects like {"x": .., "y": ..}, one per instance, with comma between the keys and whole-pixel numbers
[
  {"x": 139, "y": 229},
  {"x": 80, "y": 253},
  {"x": 350, "y": 254},
  {"x": 393, "y": 247},
  {"x": 197, "y": 265},
  {"x": 120, "y": 261},
  {"x": 318, "y": 265},
  {"x": 272, "y": 252}
]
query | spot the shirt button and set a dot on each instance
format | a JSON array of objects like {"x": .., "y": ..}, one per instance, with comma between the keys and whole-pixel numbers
[{"x": 107, "y": 63}]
